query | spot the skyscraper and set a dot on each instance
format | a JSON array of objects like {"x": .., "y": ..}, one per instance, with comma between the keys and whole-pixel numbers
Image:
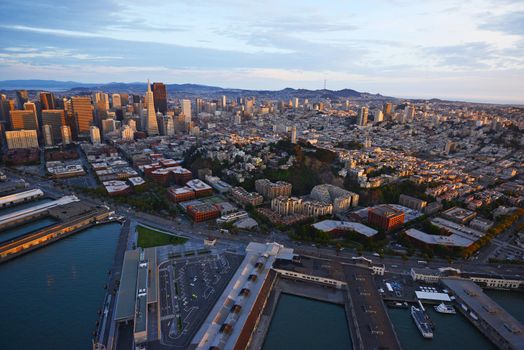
[
  {"x": 186, "y": 110},
  {"x": 94, "y": 133},
  {"x": 160, "y": 97},
  {"x": 48, "y": 135},
  {"x": 223, "y": 102},
  {"x": 294, "y": 135},
  {"x": 55, "y": 118},
  {"x": 47, "y": 100},
  {"x": 25, "y": 119},
  {"x": 379, "y": 116},
  {"x": 21, "y": 97},
  {"x": 150, "y": 122},
  {"x": 65, "y": 133},
  {"x": 388, "y": 108},
  {"x": 116, "y": 101},
  {"x": 82, "y": 112},
  {"x": 362, "y": 118},
  {"x": 21, "y": 139}
]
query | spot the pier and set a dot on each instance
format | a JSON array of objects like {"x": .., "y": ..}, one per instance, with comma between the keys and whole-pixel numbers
[
  {"x": 20, "y": 217},
  {"x": 491, "y": 319},
  {"x": 73, "y": 218}
]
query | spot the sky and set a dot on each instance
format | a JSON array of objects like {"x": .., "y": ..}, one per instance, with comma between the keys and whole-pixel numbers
[{"x": 466, "y": 50}]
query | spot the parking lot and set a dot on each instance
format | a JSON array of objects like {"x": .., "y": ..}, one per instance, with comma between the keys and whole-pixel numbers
[{"x": 189, "y": 287}]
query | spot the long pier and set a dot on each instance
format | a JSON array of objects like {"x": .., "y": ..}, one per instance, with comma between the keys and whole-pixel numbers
[
  {"x": 40, "y": 210},
  {"x": 89, "y": 216},
  {"x": 491, "y": 319}
]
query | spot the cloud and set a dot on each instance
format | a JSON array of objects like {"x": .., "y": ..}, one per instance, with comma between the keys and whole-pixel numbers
[{"x": 510, "y": 23}]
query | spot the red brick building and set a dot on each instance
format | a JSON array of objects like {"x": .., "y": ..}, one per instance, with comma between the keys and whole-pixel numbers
[
  {"x": 183, "y": 194},
  {"x": 203, "y": 212},
  {"x": 385, "y": 217}
]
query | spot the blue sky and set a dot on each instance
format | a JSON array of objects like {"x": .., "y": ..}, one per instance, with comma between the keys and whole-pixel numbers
[{"x": 469, "y": 49}]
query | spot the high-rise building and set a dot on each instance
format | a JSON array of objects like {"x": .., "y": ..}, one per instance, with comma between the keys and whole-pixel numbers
[
  {"x": 199, "y": 105},
  {"x": 388, "y": 109},
  {"x": 294, "y": 135},
  {"x": 151, "y": 124},
  {"x": 108, "y": 126},
  {"x": 409, "y": 113},
  {"x": 55, "y": 118},
  {"x": 362, "y": 119},
  {"x": 47, "y": 100},
  {"x": 127, "y": 133},
  {"x": 82, "y": 112},
  {"x": 124, "y": 99},
  {"x": 48, "y": 135},
  {"x": 21, "y": 97},
  {"x": 223, "y": 102},
  {"x": 116, "y": 101},
  {"x": 295, "y": 103},
  {"x": 379, "y": 116},
  {"x": 101, "y": 101},
  {"x": 23, "y": 119},
  {"x": 186, "y": 110},
  {"x": 4, "y": 109},
  {"x": 65, "y": 134},
  {"x": 94, "y": 133},
  {"x": 18, "y": 139},
  {"x": 160, "y": 97}
]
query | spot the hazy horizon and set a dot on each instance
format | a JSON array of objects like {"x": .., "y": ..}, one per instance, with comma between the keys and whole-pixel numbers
[{"x": 469, "y": 50}]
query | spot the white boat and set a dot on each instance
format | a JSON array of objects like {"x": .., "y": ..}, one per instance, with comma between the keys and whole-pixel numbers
[
  {"x": 445, "y": 309},
  {"x": 422, "y": 323}
]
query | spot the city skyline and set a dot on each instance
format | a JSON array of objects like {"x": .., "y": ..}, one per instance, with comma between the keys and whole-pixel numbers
[{"x": 471, "y": 51}]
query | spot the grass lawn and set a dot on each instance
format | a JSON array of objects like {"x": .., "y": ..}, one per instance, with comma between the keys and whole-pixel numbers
[{"x": 148, "y": 237}]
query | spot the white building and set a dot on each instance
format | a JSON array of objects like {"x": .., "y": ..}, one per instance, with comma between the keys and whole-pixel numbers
[
  {"x": 21, "y": 139},
  {"x": 94, "y": 133}
]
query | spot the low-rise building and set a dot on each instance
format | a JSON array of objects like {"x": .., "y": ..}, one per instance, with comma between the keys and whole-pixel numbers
[
  {"x": 385, "y": 217},
  {"x": 243, "y": 197},
  {"x": 203, "y": 212}
]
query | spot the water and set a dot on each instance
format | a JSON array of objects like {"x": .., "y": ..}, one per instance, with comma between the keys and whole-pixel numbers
[
  {"x": 24, "y": 229},
  {"x": 301, "y": 323},
  {"x": 512, "y": 302},
  {"x": 451, "y": 332},
  {"x": 50, "y": 296}
]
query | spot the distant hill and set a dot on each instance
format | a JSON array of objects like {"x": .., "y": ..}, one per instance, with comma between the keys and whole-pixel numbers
[{"x": 178, "y": 90}]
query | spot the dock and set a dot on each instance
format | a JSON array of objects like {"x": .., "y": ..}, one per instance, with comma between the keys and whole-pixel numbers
[
  {"x": 73, "y": 218},
  {"x": 489, "y": 317}
]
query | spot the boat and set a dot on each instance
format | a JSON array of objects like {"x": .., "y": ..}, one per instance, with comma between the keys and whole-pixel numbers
[
  {"x": 445, "y": 309},
  {"x": 421, "y": 320},
  {"x": 397, "y": 305}
]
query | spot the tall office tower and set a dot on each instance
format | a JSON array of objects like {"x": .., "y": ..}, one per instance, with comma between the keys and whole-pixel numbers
[
  {"x": 223, "y": 102},
  {"x": 249, "y": 106},
  {"x": 388, "y": 109},
  {"x": 108, "y": 126},
  {"x": 124, "y": 99},
  {"x": 47, "y": 100},
  {"x": 346, "y": 105},
  {"x": 82, "y": 114},
  {"x": 127, "y": 133},
  {"x": 210, "y": 107},
  {"x": 117, "y": 101},
  {"x": 21, "y": 97},
  {"x": 199, "y": 105},
  {"x": 160, "y": 97},
  {"x": 21, "y": 139},
  {"x": 186, "y": 110},
  {"x": 101, "y": 100},
  {"x": 132, "y": 124},
  {"x": 25, "y": 119},
  {"x": 362, "y": 119},
  {"x": 94, "y": 134},
  {"x": 65, "y": 134},
  {"x": 48, "y": 135},
  {"x": 409, "y": 113},
  {"x": 4, "y": 109},
  {"x": 161, "y": 125},
  {"x": 281, "y": 106},
  {"x": 151, "y": 124},
  {"x": 238, "y": 118},
  {"x": 294, "y": 135},
  {"x": 379, "y": 116},
  {"x": 56, "y": 119},
  {"x": 295, "y": 102}
]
